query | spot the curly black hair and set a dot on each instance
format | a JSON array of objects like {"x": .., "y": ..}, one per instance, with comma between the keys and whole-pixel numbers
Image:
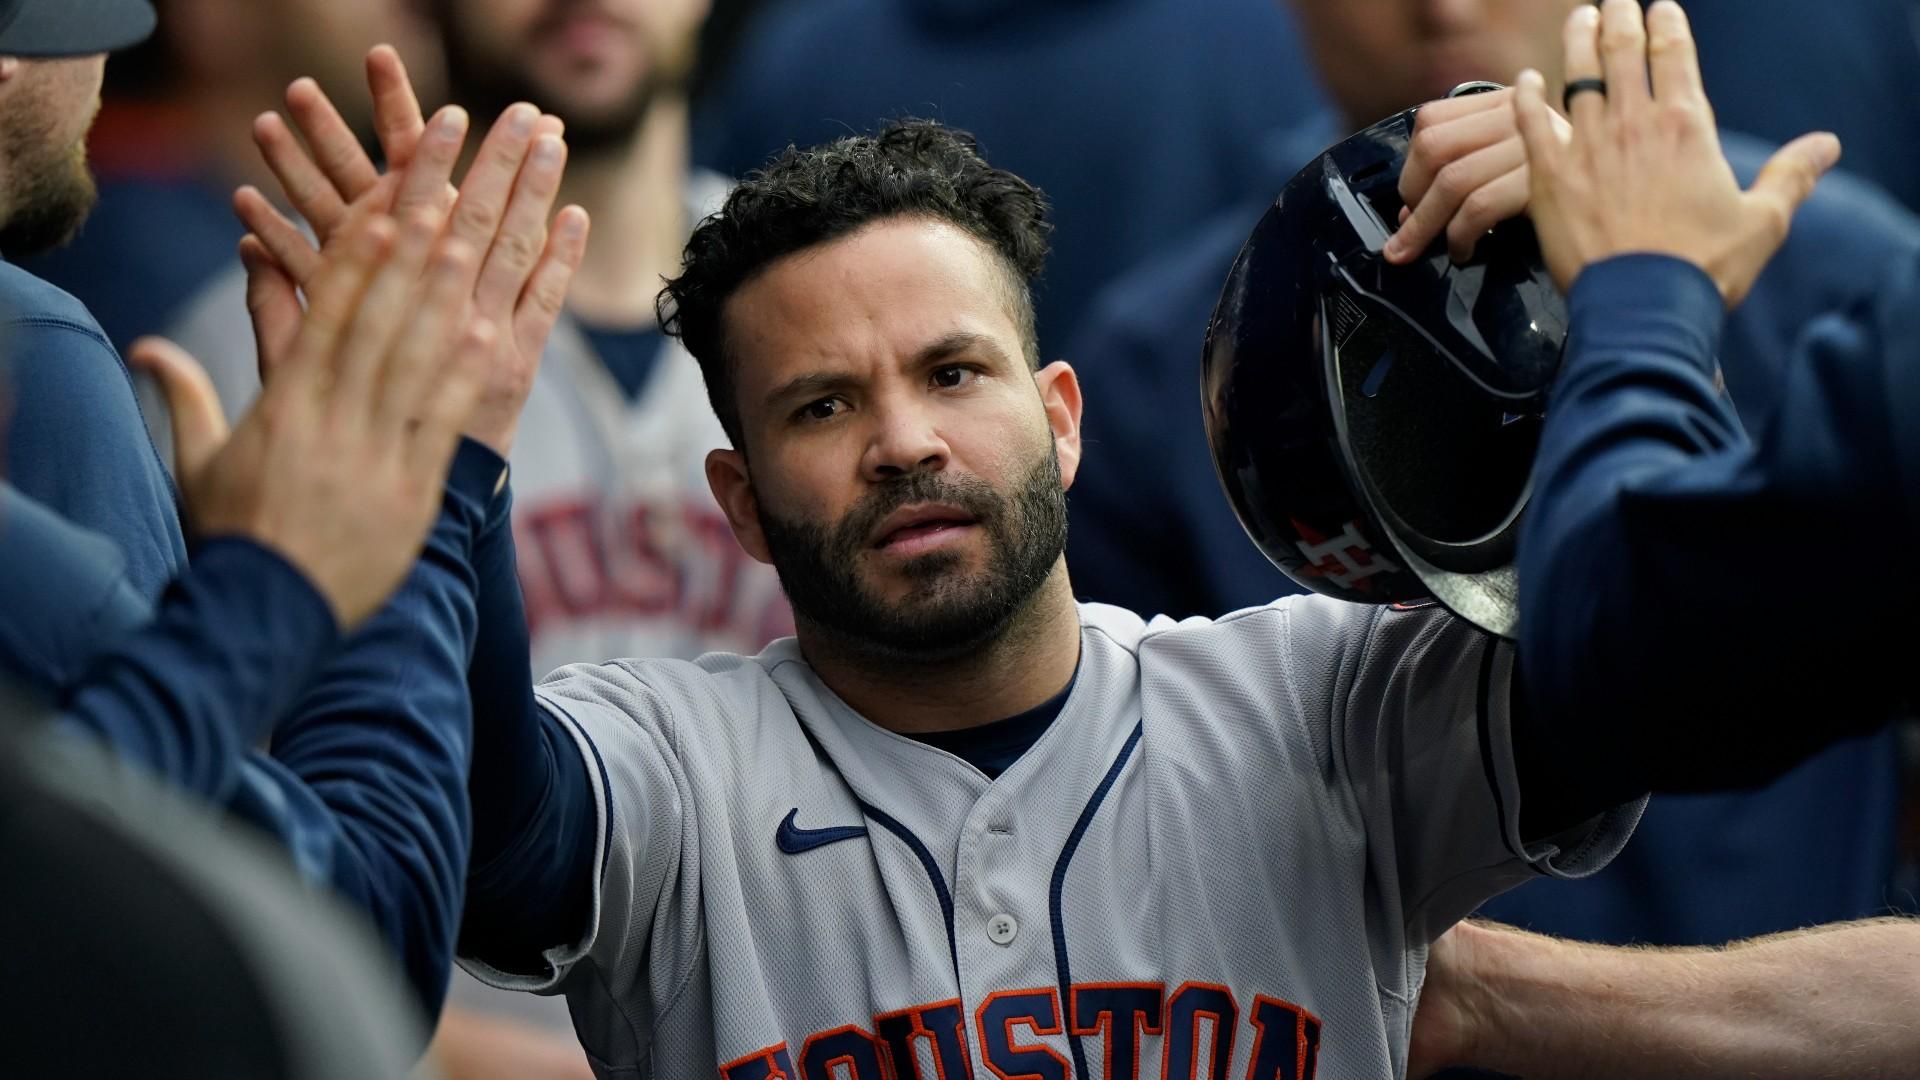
[{"x": 808, "y": 197}]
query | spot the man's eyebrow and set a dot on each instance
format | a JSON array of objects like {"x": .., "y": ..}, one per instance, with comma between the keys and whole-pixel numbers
[
  {"x": 822, "y": 383},
  {"x": 812, "y": 384},
  {"x": 954, "y": 344}
]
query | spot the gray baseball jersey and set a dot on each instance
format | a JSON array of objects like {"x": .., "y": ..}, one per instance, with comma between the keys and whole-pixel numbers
[{"x": 1225, "y": 858}]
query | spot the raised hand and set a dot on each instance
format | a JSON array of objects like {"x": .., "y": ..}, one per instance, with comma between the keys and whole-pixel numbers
[
  {"x": 501, "y": 209},
  {"x": 1643, "y": 171},
  {"x": 340, "y": 463},
  {"x": 1466, "y": 172}
]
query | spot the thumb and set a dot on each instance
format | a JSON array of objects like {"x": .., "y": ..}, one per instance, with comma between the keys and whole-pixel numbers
[
  {"x": 199, "y": 424},
  {"x": 1789, "y": 175}
]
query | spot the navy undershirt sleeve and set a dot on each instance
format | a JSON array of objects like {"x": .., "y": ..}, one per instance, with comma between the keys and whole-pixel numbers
[
  {"x": 531, "y": 883},
  {"x": 1659, "y": 650}
]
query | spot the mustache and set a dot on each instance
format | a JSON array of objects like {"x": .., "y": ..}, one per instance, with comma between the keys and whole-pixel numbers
[
  {"x": 970, "y": 494},
  {"x": 558, "y": 12}
]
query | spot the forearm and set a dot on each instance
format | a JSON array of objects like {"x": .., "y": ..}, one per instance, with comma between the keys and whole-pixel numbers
[
  {"x": 1836, "y": 1001},
  {"x": 1660, "y": 650},
  {"x": 533, "y": 816},
  {"x": 381, "y": 744}
]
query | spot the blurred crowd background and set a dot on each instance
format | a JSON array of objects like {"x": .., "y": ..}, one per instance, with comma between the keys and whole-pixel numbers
[{"x": 1159, "y": 129}]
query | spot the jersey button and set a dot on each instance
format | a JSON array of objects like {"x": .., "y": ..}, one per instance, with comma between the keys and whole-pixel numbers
[{"x": 1002, "y": 928}]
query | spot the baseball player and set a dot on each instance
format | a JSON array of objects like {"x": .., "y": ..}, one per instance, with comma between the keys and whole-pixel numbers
[{"x": 960, "y": 824}]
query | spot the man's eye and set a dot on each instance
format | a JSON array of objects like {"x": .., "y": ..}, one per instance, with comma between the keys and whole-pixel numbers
[
  {"x": 824, "y": 409},
  {"x": 952, "y": 376}
]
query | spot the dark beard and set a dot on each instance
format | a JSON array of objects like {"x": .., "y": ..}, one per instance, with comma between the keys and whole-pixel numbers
[
  {"x": 51, "y": 200},
  {"x": 954, "y": 615},
  {"x": 488, "y": 85}
]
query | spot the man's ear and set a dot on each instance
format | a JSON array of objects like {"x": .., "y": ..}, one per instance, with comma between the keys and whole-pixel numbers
[
  {"x": 1060, "y": 396},
  {"x": 9, "y": 67},
  {"x": 732, "y": 488}
]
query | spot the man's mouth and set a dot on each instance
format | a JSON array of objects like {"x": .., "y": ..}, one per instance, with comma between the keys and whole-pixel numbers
[{"x": 915, "y": 529}]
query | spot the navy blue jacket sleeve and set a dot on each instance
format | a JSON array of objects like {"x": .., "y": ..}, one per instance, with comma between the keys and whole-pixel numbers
[
  {"x": 226, "y": 654},
  {"x": 1657, "y": 646},
  {"x": 366, "y": 786},
  {"x": 531, "y": 885}
]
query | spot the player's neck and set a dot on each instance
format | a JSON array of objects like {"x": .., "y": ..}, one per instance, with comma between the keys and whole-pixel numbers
[
  {"x": 1032, "y": 661},
  {"x": 636, "y": 195}
]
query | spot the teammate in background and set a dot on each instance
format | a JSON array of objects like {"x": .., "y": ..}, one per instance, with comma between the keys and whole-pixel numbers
[
  {"x": 1151, "y": 531},
  {"x": 1648, "y": 489},
  {"x": 169, "y": 147},
  {"x": 1013, "y": 850},
  {"x": 621, "y": 551},
  {"x": 1138, "y": 118}
]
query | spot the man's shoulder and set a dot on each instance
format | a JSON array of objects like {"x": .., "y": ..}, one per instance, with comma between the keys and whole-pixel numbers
[
  {"x": 667, "y": 692},
  {"x": 26, "y": 299}
]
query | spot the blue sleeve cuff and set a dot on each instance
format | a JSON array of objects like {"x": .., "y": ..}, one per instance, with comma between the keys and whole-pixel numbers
[
  {"x": 1644, "y": 301},
  {"x": 476, "y": 476}
]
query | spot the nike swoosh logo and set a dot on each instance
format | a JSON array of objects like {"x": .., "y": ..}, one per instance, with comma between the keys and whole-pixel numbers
[{"x": 792, "y": 839}]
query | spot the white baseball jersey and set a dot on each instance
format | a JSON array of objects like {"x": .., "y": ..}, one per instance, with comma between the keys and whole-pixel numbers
[{"x": 1225, "y": 858}]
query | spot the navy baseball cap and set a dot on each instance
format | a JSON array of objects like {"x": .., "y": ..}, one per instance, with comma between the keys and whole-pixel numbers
[{"x": 72, "y": 27}]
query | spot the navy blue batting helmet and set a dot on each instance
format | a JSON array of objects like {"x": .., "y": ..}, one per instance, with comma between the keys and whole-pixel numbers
[{"x": 1375, "y": 425}]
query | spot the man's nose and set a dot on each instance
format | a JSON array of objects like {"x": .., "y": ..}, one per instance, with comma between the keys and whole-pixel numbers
[{"x": 904, "y": 441}]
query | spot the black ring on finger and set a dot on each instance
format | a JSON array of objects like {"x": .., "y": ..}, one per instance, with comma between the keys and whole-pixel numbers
[{"x": 1576, "y": 87}]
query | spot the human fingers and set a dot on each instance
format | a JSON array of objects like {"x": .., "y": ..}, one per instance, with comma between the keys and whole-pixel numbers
[
  {"x": 1447, "y": 110},
  {"x": 377, "y": 321},
  {"x": 1470, "y": 182},
  {"x": 281, "y": 239},
  {"x": 1623, "y": 57},
  {"x": 1438, "y": 143},
  {"x": 427, "y": 181},
  {"x": 1546, "y": 168},
  {"x": 193, "y": 405},
  {"x": 331, "y": 143},
  {"x": 545, "y": 295},
  {"x": 1785, "y": 181},
  {"x": 397, "y": 119},
  {"x": 489, "y": 182},
  {"x": 1580, "y": 38},
  {"x": 523, "y": 232},
  {"x": 334, "y": 295},
  {"x": 303, "y": 183},
  {"x": 273, "y": 305},
  {"x": 1672, "y": 58}
]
